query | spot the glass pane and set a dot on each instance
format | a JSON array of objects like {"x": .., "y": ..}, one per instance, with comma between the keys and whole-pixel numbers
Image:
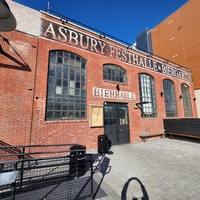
[
  {"x": 72, "y": 84},
  {"x": 49, "y": 115},
  {"x": 65, "y": 68},
  {"x": 58, "y": 90},
  {"x": 57, "y": 106},
  {"x": 50, "y": 106},
  {"x": 52, "y": 66},
  {"x": 59, "y": 74},
  {"x": 53, "y": 57},
  {"x": 59, "y": 60},
  {"x": 52, "y": 81},
  {"x": 64, "y": 115},
  {"x": 52, "y": 73},
  {"x": 64, "y": 99},
  {"x": 72, "y": 92},
  {"x": 57, "y": 115},
  {"x": 51, "y": 89},
  {"x": 65, "y": 90},
  {"x": 59, "y": 67},
  {"x": 65, "y": 83},
  {"x": 58, "y": 82}
]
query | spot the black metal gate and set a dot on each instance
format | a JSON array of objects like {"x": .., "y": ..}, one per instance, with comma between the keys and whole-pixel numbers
[{"x": 116, "y": 123}]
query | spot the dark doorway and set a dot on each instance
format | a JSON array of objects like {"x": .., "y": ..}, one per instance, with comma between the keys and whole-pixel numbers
[{"x": 116, "y": 123}]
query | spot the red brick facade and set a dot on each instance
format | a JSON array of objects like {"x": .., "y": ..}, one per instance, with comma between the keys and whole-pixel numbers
[{"x": 23, "y": 92}]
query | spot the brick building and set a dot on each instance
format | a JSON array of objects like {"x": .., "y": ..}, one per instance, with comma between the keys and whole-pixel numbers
[{"x": 63, "y": 83}]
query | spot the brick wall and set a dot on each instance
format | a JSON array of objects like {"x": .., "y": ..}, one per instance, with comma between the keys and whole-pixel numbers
[{"x": 17, "y": 66}]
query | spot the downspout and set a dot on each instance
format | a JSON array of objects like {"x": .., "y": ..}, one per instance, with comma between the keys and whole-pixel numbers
[{"x": 33, "y": 100}]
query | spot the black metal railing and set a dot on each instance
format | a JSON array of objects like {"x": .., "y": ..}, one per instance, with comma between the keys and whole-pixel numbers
[
  {"x": 62, "y": 171},
  {"x": 10, "y": 152},
  {"x": 60, "y": 177}
]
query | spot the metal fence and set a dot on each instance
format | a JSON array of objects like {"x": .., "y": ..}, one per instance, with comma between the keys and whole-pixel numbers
[
  {"x": 58, "y": 177},
  {"x": 187, "y": 126}
]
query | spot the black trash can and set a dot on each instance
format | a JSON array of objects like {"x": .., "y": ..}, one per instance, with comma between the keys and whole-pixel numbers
[
  {"x": 102, "y": 144},
  {"x": 77, "y": 165}
]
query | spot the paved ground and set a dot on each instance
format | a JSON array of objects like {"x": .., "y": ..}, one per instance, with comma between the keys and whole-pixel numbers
[{"x": 160, "y": 169}]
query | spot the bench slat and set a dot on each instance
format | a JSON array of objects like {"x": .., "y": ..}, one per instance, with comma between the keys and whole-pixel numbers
[
  {"x": 182, "y": 134},
  {"x": 143, "y": 137}
]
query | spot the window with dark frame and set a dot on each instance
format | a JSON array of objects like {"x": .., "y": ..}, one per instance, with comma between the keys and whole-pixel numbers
[
  {"x": 147, "y": 96},
  {"x": 185, "y": 90},
  {"x": 170, "y": 98},
  {"x": 66, "y": 94},
  {"x": 114, "y": 73}
]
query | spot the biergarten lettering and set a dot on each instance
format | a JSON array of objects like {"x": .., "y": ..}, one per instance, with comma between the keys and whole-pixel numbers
[{"x": 68, "y": 36}]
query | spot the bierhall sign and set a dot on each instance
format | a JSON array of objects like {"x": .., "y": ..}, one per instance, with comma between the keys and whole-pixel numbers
[
  {"x": 113, "y": 94},
  {"x": 62, "y": 33}
]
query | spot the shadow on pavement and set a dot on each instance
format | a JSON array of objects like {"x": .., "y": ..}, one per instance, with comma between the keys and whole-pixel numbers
[
  {"x": 101, "y": 169},
  {"x": 125, "y": 189}
]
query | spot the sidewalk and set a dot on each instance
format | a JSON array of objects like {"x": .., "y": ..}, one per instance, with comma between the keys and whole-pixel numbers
[{"x": 160, "y": 169}]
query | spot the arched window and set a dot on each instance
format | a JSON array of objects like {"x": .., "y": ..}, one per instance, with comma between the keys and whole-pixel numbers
[
  {"x": 185, "y": 90},
  {"x": 114, "y": 73},
  {"x": 66, "y": 95},
  {"x": 147, "y": 95},
  {"x": 170, "y": 98}
]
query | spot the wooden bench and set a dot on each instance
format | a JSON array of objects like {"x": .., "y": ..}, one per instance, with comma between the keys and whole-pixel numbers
[
  {"x": 181, "y": 134},
  {"x": 144, "y": 137}
]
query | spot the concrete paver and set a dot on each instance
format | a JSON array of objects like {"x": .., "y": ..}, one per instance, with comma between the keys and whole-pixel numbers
[{"x": 158, "y": 169}]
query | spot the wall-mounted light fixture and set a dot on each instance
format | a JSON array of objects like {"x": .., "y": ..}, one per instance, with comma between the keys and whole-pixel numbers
[
  {"x": 118, "y": 88},
  {"x": 194, "y": 98},
  {"x": 161, "y": 94},
  {"x": 63, "y": 21},
  {"x": 129, "y": 47},
  {"x": 101, "y": 36},
  {"x": 142, "y": 102},
  {"x": 149, "y": 55},
  {"x": 137, "y": 105},
  {"x": 180, "y": 97}
]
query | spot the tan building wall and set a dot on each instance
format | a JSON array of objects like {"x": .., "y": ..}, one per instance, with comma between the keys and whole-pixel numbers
[{"x": 177, "y": 39}]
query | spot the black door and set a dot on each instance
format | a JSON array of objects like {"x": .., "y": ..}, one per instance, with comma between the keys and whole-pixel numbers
[{"x": 116, "y": 123}]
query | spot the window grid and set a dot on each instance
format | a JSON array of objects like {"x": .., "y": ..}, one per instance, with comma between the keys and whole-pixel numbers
[
  {"x": 186, "y": 100},
  {"x": 147, "y": 94},
  {"x": 114, "y": 73},
  {"x": 66, "y": 96},
  {"x": 170, "y": 98}
]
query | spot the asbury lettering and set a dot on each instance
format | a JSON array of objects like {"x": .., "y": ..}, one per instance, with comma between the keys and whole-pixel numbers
[{"x": 72, "y": 37}]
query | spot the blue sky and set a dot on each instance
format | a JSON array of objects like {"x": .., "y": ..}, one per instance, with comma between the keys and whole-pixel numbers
[{"x": 123, "y": 19}]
